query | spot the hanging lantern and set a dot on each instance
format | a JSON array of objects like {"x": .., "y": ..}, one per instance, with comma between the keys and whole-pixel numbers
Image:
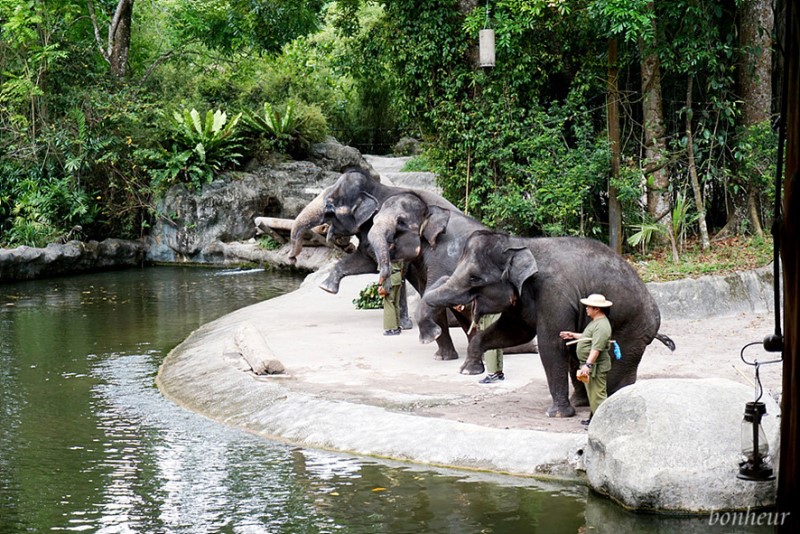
[
  {"x": 486, "y": 39},
  {"x": 755, "y": 447}
]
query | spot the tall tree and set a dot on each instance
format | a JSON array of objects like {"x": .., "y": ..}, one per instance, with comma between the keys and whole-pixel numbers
[
  {"x": 658, "y": 205},
  {"x": 116, "y": 47},
  {"x": 612, "y": 114},
  {"x": 755, "y": 78}
]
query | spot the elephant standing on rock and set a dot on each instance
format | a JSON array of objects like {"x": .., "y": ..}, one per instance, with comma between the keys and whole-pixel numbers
[{"x": 536, "y": 283}]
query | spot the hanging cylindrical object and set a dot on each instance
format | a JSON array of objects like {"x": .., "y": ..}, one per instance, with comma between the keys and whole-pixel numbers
[
  {"x": 487, "y": 48},
  {"x": 755, "y": 463}
]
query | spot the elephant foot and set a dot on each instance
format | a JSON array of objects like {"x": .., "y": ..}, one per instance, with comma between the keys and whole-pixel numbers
[
  {"x": 472, "y": 368},
  {"x": 329, "y": 287},
  {"x": 561, "y": 411},
  {"x": 406, "y": 324},
  {"x": 579, "y": 399},
  {"x": 445, "y": 355}
]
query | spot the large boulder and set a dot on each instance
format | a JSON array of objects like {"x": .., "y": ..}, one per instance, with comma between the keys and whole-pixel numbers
[
  {"x": 672, "y": 445},
  {"x": 191, "y": 225}
]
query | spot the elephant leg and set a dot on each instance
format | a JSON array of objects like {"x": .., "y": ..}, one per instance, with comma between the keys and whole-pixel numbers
[
  {"x": 556, "y": 367},
  {"x": 579, "y": 395},
  {"x": 432, "y": 324},
  {"x": 405, "y": 322},
  {"x": 446, "y": 350},
  {"x": 506, "y": 331},
  {"x": 473, "y": 364},
  {"x": 355, "y": 263},
  {"x": 623, "y": 372}
]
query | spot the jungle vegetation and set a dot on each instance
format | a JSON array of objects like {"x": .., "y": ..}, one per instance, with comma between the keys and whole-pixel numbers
[{"x": 645, "y": 124}]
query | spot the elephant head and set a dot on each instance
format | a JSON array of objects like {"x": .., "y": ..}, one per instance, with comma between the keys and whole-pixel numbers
[
  {"x": 490, "y": 275},
  {"x": 400, "y": 228},
  {"x": 345, "y": 206}
]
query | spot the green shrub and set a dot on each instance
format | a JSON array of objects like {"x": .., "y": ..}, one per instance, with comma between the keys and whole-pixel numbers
[
  {"x": 201, "y": 148},
  {"x": 268, "y": 243}
]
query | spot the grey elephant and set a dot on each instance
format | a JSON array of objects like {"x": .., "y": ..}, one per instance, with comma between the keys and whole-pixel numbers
[
  {"x": 348, "y": 207},
  {"x": 430, "y": 239},
  {"x": 536, "y": 283}
]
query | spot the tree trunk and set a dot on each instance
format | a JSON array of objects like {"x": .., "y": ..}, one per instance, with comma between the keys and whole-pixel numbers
[
  {"x": 119, "y": 36},
  {"x": 658, "y": 205},
  {"x": 755, "y": 80},
  {"x": 698, "y": 192},
  {"x": 117, "y": 47},
  {"x": 614, "y": 208}
]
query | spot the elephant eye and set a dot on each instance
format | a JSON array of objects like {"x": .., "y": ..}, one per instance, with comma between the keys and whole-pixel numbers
[{"x": 475, "y": 280}]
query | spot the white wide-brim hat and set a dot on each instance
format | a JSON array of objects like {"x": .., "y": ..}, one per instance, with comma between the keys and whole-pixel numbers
[{"x": 596, "y": 300}]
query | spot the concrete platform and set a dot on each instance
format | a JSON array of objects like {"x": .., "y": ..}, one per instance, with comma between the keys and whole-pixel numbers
[{"x": 349, "y": 388}]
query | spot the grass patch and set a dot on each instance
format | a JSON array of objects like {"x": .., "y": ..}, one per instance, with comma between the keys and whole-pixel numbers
[
  {"x": 417, "y": 164},
  {"x": 724, "y": 257},
  {"x": 268, "y": 243}
]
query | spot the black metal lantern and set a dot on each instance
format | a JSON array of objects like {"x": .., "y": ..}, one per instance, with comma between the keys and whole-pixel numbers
[{"x": 755, "y": 447}]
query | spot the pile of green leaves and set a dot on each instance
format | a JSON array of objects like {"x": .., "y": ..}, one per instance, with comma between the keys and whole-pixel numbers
[{"x": 368, "y": 298}]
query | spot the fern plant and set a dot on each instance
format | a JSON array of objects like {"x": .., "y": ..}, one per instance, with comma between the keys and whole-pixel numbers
[
  {"x": 203, "y": 146},
  {"x": 280, "y": 127}
]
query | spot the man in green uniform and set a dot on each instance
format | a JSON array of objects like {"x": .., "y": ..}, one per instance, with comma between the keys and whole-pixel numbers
[
  {"x": 391, "y": 300},
  {"x": 593, "y": 346}
]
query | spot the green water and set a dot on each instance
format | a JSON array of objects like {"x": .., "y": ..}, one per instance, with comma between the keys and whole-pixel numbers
[{"x": 87, "y": 443}]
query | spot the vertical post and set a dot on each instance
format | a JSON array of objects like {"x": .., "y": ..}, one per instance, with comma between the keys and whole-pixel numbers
[{"x": 789, "y": 471}]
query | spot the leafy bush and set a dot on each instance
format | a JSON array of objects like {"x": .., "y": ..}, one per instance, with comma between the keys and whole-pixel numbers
[
  {"x": 201, "y": 148},
  {"x": 292, "y": 131},
  {"x": 368, "y": 298},
  {"x": 268, "y": 243}
]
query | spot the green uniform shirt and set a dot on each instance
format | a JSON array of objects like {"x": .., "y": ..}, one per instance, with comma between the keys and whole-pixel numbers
[{"x": 599, "y": 332}]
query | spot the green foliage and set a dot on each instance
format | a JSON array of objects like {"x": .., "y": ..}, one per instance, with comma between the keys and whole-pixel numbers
[
  {"x": 417, "y": 164},
  {"x": 268, "y": 243},
  {"x": 293, "y": 130},
  {"x": 246, "y": 25},
  {"x": 43, "y": 209},
  {"x": 368, "y": 298},
  {"x": 202, "y": 147}
]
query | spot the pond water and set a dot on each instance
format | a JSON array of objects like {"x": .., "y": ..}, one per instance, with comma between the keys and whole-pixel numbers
[{"x": 87, "y": 443}]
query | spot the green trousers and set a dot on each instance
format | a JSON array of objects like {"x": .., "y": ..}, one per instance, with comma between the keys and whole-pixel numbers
[
  {"x": 493, "y": 359},
  {"x": 596, "y": 390},
  {"x": 391, "y": 302}
]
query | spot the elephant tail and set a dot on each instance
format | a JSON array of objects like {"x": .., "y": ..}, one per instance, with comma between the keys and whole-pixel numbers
[{"x": 666, "y": 341}]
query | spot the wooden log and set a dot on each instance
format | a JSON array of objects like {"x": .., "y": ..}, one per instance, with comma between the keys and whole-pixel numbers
[{"x": 255, "y": 350}]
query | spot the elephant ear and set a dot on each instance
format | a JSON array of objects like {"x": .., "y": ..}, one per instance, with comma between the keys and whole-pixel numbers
[
  {"x": 364, "y": 208},
  {"x": 520, "y": 265},
  {"x": 435, "y": 224}
]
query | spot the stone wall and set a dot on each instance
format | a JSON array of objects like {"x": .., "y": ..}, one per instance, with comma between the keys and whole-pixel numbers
[{"x": 28, "y": 263}]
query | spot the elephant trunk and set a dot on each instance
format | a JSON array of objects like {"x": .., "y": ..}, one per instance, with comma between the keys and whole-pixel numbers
[
  {"x": 444, "y": 294},
  {"x": 312, "y": 215},
  {"x": 379, "y": 237}
]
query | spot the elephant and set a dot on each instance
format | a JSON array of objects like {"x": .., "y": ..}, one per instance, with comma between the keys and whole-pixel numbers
[
  {"x": 430, "y": 239},
  {"x": 348, "y": 207},
  {"x": 536, "y": 283}
]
